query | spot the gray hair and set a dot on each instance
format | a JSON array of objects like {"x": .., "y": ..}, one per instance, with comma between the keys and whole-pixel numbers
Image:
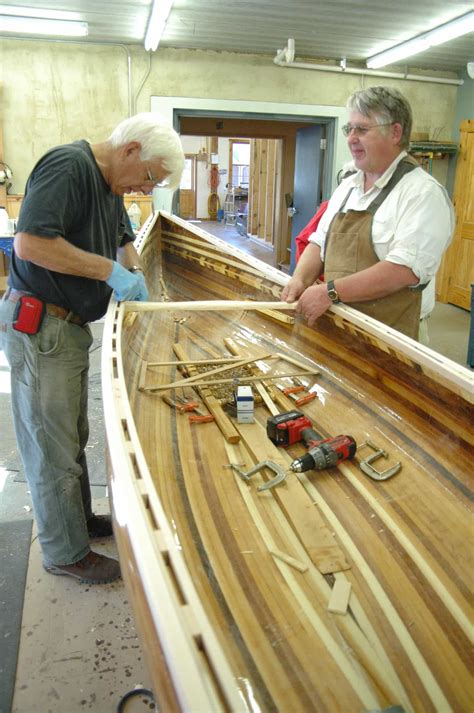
[
  {"x": 158, "y": 141},
  {"x": 386, "y": 106}
]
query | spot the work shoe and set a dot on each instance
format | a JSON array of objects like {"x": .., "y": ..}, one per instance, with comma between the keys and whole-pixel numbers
[
  {"x": 92, "y": 569},
  {"x": 100, "y": 526}
]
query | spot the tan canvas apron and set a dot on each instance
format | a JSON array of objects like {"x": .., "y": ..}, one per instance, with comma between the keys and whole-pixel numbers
[{"x": 349, "y": 249}]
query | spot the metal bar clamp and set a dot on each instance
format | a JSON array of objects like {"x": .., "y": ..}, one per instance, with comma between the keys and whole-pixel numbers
[
  {"x": 271, "y": 465},
  {"x": 367, "y": 467}
]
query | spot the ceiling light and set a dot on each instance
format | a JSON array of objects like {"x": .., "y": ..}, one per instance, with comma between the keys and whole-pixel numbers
[
  {"x": 460, "y": 26},
  {"x": 156, "y": 25},
  {"x": 42, "y": 26}
]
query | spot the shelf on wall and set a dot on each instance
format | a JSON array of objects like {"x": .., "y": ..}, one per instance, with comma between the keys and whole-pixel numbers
[{"x": 433, "y": 147}]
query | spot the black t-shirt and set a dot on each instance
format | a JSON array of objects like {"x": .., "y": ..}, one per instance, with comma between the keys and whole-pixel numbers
[{"x": 67, "y": 196}]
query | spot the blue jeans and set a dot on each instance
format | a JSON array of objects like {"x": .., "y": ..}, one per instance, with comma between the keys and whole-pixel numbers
[{"x": 49, "y": 388}]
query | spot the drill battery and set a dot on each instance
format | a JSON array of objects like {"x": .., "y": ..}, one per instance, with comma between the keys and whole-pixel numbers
[{"x": 285, "y": 428}]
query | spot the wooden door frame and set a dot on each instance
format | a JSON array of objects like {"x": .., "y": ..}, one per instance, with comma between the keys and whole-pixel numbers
[
  {"x": 445, "y": 272},
  {"x": 192, "y": 156}
]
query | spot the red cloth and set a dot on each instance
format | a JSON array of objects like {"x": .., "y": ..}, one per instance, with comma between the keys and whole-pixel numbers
[{"x": 303, "y": 237}]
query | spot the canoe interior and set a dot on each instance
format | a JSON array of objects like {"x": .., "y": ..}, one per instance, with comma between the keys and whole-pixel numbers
[{"x": 248, "y": 574}]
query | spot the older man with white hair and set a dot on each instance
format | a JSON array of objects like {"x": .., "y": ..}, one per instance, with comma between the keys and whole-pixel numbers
[{"x": 73, "y": 247}]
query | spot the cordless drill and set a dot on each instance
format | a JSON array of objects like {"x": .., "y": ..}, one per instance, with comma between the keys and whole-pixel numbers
[{"x": 323, "y": 452}]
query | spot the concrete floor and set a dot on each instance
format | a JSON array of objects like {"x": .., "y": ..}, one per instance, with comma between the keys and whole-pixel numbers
[{"x": 78, "y": 647}]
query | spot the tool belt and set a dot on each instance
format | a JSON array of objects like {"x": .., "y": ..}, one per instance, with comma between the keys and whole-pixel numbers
[{"x": 54, "y": 310}]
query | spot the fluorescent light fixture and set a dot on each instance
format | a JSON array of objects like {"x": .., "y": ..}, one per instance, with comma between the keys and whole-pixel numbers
[
  {"x": 42, "y": 26},
  {"x": 449, "y": 31},
  {"x": 156, "y": 25}
]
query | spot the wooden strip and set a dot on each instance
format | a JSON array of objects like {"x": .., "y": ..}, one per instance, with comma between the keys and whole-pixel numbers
[
  {"x": 339, "y": 600},
  {"x": 267, "y": 399},
  {"x": 262, "y": 197},
  {"x": 205, "y": 306},
  {"x": 240, "y": 379},
  {"x": 277, "y": 315},
  {"x": 270, "y": 191},
  {"x": 295, "y": 362},
  {"x": 178, "y": 362},
  {"x": 199, "y": 377},
  {"x": 142, "y": 380},
  {"x": 223, "y": 422},
  {"x": 292, "y": 561}
]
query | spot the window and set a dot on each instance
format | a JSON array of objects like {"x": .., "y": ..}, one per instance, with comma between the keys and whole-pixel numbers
[{"x": 240, "y": 163}]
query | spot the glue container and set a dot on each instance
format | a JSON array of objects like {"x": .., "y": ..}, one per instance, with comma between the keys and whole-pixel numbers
[
  {"x": 135, "y": 215},
  {"x": 245, "y": 404}
]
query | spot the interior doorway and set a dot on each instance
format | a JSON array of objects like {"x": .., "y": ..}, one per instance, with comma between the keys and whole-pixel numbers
[{"x": 264, "y": 187}]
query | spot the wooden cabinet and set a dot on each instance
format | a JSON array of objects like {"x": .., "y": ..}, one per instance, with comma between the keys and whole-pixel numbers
[
  {"x": 145, "y": 203},
  {"x": 457, "y": 271},
  {"x": 13, "y": 205}
]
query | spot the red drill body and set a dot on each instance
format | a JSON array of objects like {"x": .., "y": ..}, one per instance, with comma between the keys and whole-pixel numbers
[{"x": 323, "y": 452}]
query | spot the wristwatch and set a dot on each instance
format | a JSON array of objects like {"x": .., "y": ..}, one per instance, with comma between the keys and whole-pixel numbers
[
  {"x": 333, "y": 293},
  {"x": 135, "y": 268}
]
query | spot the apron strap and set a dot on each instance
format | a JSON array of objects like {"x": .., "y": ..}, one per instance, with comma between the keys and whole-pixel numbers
[{"x": 401, "y": 170}]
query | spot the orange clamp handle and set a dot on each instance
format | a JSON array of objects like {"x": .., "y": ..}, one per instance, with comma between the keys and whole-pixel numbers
[
  {"x": 305, "y": 399},
  {"x": 293, "y": 390},
  {"x": 190, "y": 406},
  {"x": 201, "y": 419}
]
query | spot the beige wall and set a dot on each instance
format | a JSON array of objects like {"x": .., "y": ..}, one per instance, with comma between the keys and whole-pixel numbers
[{"x": 57, "y": 92}]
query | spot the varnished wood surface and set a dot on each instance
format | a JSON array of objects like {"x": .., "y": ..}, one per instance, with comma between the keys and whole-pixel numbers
[{"x": 260, "y": 636}]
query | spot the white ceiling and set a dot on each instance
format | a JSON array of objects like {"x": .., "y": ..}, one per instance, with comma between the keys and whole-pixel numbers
[{"x": 322, "y": 29}]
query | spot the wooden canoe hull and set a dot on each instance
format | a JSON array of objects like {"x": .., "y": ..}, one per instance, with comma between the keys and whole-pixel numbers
[{"x": 231, "y": 585}]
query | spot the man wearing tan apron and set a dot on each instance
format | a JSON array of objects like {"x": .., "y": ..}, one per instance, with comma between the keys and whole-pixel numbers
[{"x": 382, "y": 237}]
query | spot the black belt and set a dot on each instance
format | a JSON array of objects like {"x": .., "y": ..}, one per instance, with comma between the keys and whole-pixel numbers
[{"x": 54, "y": 310}]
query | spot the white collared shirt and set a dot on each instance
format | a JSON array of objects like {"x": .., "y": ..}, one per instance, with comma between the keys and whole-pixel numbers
[{"x": 412, "y": 227}]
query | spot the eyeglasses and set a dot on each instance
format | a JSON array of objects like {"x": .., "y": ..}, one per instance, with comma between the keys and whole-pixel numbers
[
  {"x": 155, "y": 181},
  {"x": 150, "y": 178},
  {"x": 360, "y": 130}
]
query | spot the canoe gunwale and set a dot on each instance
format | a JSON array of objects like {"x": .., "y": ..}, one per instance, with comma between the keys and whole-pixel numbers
[{"x": 181, "y": 624}]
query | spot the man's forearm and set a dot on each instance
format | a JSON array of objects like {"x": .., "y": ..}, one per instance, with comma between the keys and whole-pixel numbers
[
  {"x": 310, "y": 265},
  {"x": 60, "y": 256},
  {"x": 128, "y": 256},
  {"x": 380, "y": 280}
]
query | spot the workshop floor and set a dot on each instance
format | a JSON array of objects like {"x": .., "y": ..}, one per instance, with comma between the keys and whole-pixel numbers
[
  {"x": 229, "y": 233},
  {"x": 78, "y": 646}
]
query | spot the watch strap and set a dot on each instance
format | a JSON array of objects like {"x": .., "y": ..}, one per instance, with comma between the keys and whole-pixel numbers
[{"x": 332, "y": 292}]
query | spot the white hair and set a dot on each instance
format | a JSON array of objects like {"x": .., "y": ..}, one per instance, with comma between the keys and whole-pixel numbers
[{"x": 158, "y": 141}]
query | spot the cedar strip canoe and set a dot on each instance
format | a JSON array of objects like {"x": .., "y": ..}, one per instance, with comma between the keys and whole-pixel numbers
[{"x": 332, "y": 591}]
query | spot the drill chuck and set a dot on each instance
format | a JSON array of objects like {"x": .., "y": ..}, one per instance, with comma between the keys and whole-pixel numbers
[{"x": 326, "y": 455}]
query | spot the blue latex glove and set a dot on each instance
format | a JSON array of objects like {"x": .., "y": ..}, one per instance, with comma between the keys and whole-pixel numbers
[{"x": 127, "y": 285}]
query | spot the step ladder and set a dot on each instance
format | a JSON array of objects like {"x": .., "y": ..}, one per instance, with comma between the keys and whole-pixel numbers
[{"x": 229, "y": 207}]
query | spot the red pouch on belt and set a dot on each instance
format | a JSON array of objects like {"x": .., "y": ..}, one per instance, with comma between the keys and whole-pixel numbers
[{"x": 29, "y": 313}]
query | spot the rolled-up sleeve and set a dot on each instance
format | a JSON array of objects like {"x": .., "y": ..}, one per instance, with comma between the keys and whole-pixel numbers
[{"x": 421, "y": 232}]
